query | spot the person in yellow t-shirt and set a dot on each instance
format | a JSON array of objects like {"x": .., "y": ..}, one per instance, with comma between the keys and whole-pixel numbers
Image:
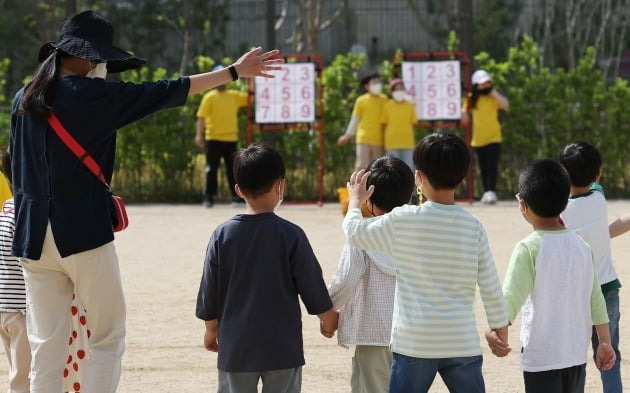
[
  {"x": 482, "y": 108},
  {"x": 5, "y": 178},
  {"x": 366, "y": 123},
  {"x": 398, "y": 118},
  {"x": 217, "y": 131}
]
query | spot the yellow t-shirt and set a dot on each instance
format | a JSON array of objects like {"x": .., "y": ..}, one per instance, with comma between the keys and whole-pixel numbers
[
  {"x": 5, "y": 189},
  {"x": 368, "y": 109},
  {"x": 399, "y": 118},
  {"x": 485, "y": 118},
  {"x": 219, "y": 109}
]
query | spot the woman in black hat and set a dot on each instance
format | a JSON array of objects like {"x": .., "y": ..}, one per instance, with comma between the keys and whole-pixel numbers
[{"x": 63, "y": 230}]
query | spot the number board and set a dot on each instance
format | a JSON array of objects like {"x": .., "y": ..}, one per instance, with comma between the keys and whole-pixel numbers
[
  {"x": 435, "y": 87},
  {"x": 287, "y": 98}
]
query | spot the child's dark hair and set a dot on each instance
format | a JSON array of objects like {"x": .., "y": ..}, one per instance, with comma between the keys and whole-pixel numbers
[
  {"x": 38, "y": 93},
  {"x": 393, "y": 182},
  {"x": 6, "y": 165},
  {"x": 368, "y": 78},
  {"x": 544, "y": 187},
  {"x": 583, "y": 162},
  {"x": 256, "y": 168},
  {"x": 443, "y": 158}
]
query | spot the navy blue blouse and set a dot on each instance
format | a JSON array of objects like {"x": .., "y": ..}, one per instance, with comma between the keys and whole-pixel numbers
[{"x": 49, "y": 181}]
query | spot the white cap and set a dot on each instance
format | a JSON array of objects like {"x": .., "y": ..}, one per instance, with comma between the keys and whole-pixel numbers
[{"x": 480, "y": 76}]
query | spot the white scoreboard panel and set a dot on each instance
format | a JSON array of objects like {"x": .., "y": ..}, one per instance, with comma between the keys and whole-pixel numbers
[
  {"x": 435, "y": 87},
  {"x": 287, "y": 98}
]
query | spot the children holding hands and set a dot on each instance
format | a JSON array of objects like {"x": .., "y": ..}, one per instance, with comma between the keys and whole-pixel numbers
[
  {"x": 362, "y": 289},
  {"x": 406, "y": 282},
  {"x": 553, "y": 273},
  {"x": 441, "y": 255},
  {"x": 256, "y": 266}
]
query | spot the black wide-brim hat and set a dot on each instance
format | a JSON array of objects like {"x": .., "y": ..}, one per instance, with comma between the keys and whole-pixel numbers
[{"x": 90, "y": 37}]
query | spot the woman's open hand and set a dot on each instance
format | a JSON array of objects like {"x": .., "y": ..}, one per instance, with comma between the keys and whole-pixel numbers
[{"x": 253, "y": 63}]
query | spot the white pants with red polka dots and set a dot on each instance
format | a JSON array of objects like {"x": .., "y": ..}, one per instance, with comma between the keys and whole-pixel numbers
[{"x": 94, "y": 276}]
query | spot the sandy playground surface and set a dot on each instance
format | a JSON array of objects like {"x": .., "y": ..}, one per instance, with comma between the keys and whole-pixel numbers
[{"x": 161, "y": 257}]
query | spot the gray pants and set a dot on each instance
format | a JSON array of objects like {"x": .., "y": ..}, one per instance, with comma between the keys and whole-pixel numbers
[
  {"x": 371, "y": 367},
  {"x": 275, "y": 381}
]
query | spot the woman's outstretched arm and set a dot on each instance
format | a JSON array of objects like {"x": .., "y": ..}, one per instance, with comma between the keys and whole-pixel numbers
[{"x": 249, "y": 65}]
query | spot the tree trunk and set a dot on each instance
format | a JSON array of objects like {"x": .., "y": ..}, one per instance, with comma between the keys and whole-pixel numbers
[
  {"x": 270, "y": 24},
  {"x": 571, "y": 15},
  {"x": 183, "y": 65},
  {"x": 466, "y": 27},
  {"x": 71, "y": 7}
]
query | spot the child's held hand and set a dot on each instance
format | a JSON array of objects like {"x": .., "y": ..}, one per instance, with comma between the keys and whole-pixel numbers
[
  {"x": 357, "y": 190},
  {"x": 328, "y": 323},
  {"x": 605, "y": 357},
  {"x": 211, "y": 337},
  {"x": 498, "y": 341}
]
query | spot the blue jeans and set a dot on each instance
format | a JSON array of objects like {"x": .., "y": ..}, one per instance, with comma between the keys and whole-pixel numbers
[
  {"x": 415, "y": 375},
  {"x": 611, "y": 379}
]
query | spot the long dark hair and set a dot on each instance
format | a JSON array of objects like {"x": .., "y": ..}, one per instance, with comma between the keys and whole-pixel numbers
[
  {"x": 6, "y": 165},
  {"x": 39, "y": 92},
  {"x": 474, "y": 96}
]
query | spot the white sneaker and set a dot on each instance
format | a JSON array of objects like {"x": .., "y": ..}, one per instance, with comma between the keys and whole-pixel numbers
[
  {"x": 485, "y": 198},
  {"x": 492, "y": 197}
]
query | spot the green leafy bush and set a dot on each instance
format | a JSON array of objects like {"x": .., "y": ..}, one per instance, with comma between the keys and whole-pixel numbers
[{"x": 549, "y": 108}]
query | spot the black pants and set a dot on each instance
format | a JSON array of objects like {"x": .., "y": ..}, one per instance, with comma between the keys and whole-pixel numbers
[
  {"x": 488, "y": 157},
  {"x": 565, "y": 380},
  {"x": 215, "y": 150}
]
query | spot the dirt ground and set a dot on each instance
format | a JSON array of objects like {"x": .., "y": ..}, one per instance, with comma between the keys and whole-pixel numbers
[{"x": 161, "y": 257}]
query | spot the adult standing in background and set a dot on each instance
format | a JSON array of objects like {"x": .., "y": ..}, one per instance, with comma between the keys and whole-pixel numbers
[
  {"x": 366, "y": 122},
  {"x": 217, "y": 132},
  {"x": 482, "y": 108},
  {"x": 63, "y": 231}
]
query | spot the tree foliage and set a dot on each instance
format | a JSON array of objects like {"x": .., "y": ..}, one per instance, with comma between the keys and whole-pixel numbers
[
  {"x": 551, "y": 107},
  {"x": 559, "y": 90}
]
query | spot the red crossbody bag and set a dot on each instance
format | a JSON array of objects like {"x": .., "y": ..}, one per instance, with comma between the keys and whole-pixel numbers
[{"x": 119, "y": 212}]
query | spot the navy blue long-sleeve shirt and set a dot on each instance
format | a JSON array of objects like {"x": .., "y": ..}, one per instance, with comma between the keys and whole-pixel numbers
[
  {"x": 49, "y": 181},
  {"x": 255, "y": 268}
]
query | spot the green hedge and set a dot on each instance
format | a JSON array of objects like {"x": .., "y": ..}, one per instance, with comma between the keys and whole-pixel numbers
[
  {"x": 549, "y": 108},
  {"x": 157, "y": 159}
]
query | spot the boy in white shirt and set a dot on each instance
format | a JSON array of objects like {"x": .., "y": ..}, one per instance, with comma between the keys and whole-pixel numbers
[
  {"x": 363, "y": 288},
  {"x": 553, "y": 274},
  {"x": 587, "y": 214}
]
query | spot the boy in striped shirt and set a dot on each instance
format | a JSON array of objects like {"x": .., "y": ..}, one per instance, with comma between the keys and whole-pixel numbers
[
  {"x": 441, "y": 255},
  {"x": 12, "y": 299}
]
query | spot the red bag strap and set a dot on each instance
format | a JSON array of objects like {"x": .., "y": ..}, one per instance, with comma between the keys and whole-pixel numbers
[{"x": 75, "y": 147}]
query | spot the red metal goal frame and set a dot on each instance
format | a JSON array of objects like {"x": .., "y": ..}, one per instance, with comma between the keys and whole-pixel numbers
[
  {"x": 317, "y": 125},
  {"x": 465, "y": 87}
]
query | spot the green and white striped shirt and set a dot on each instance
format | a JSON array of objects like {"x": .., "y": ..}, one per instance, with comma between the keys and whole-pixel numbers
[{"x": 441, "y": 254}]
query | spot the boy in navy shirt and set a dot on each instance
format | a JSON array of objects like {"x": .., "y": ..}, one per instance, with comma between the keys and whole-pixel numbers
[{"x": 256, "y": 266}]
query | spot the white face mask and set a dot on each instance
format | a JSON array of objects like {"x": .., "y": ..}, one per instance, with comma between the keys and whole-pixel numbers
[
  {"x": 100, "y": 71},
  {"x": 281, "y": 198},
  {"x": 375, "y": 88},
  {"x": 399, "y": 95}
]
